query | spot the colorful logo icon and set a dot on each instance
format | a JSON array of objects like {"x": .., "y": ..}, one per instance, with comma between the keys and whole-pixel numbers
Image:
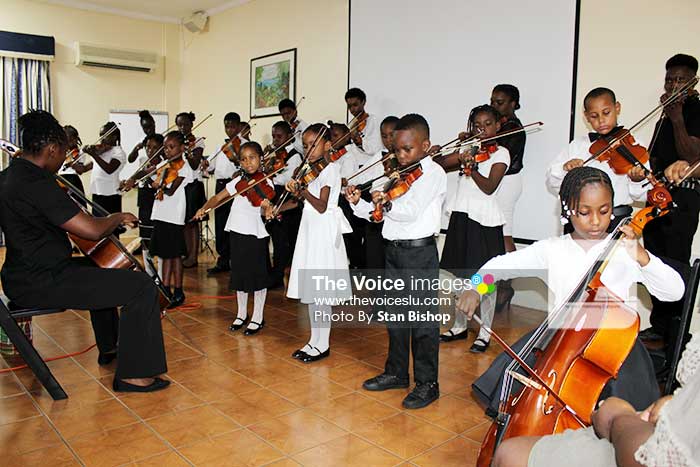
[{"x": 484, "y": 285}]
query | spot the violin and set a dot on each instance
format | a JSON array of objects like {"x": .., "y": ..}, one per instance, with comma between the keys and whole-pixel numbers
[
  {"x": 312, "y": 172},
  {"x": 258, "y": 192},
  {"x": 232, "y": 149},
  {"x": 620, "y": 150},
  {"x": 577, "y": 358},
  {"x": 397, "y": 188},
  {"x": 336, "y": 154},
  {"x": 480, "y": 154},
  {"x": 72, "y": 157},
  {"x": 167, "y": 175},
  {"x": 278, "y": 161}
]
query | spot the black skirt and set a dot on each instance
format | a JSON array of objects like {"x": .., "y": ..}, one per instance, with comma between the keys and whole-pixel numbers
[
  {"x": 635, "y": 382},
  {"x": 469, "y": 245},
  {"x": 250, "y": 263},
  {"x": 196, "y": 197},
  {"x": 168, "y": 240}
]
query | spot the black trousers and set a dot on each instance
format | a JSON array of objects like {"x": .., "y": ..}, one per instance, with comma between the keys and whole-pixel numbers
[
  {"x": 111, "y": 203},
  {"x": 420, "y": 337},
  {"x": 223, "y": 246},
  {"x": 283, "y": 233},
  {"x": 374, "y": 246},
  {"x": 355, "y": 240},
  {"x": 81, "y": 285},
  {"x": 670, "y": 238}
]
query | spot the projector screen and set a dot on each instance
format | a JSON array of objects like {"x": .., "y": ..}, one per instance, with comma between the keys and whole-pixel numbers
[{"x": 441, "y": 59}]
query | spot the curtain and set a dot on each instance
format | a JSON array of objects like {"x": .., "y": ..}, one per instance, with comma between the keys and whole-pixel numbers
[{"x": 25, "y": 86}]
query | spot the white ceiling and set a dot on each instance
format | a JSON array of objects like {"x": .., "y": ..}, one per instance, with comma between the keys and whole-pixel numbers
[{"x": 169, "y": 11}]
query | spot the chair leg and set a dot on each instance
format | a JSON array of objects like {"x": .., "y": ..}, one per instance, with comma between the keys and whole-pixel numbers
[{"x": 31, "y": 356}]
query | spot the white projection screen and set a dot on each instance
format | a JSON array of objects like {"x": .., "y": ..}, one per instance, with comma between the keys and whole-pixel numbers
[{"x": 442, "y": 58}]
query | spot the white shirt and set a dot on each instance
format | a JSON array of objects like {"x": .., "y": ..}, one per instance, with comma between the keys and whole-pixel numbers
[
  {"x": 223, "y": 167},
  {"x": 293, "y": 162},
  {"x": 244, "y": 218},
  {"x": 626, "y": 191},
  {"x": 417, "y": 213},
  {"x": 561, "y": 262},
  {"x": 102, "y": 183},
  {"x": 173, "y": 208},
  {"x": 375, "y": 171},
  {"x": 372, "y": 136},
  {"x": 82, "y": 157},
  {"x": 298, "y": 133},
  {"x": 469, "y": 198}
]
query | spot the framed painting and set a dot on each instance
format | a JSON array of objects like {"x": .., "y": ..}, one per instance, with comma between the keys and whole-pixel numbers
[{"x": 272, "y": 78}]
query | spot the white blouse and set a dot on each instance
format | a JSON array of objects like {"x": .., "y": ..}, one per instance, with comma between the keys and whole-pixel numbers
[
  {"x": 469, "y": 198},
  {"x": 102, "y": 183},
  {"x": 626, "y": 191},
  {"x": 561, "y": 263},
  {"x": 293, "y": 162},
  {"x": 372, "y": 139},
  {"x": 244, "y": 218},
  {"x": 173, "y": 208}
]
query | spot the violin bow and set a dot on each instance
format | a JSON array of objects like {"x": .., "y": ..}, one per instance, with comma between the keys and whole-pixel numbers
[
  {"x": 282, "y": 145},
  {"x": 367, "y": 167},
  {"x": 239, "y": 134},
  {"x": 304, "y": 165}
]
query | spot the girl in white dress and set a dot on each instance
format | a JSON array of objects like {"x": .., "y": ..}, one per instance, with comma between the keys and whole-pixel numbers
[{"x": 319, "y": 250}]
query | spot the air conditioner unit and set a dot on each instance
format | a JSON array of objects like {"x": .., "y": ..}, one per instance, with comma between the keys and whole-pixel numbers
[{"x": 119, "y": 59}]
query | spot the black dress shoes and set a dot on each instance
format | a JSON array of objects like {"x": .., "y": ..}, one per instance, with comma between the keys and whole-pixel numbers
[
  {"x": 236, "y": 325},
  {"x": 306, "y": 358},
  {"x": 157, "y": 384},
  {"x": 298, "y": 354},
  {"x": 250, "y": 332},
  {"x": 422, "y": 395},
  {"x": 178, "y": 299},
  {"x": 450, "y": 336},
  {"x": 384, "y": 382},
  {"x": 106, "y": 358},
  {"x": 479, "y": 346}
]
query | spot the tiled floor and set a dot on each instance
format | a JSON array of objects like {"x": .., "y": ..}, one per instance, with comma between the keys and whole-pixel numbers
[{"x": 246, "y": 403}]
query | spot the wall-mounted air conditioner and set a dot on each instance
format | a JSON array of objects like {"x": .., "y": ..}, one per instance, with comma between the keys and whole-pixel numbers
[{"x": 119, "y": 59}]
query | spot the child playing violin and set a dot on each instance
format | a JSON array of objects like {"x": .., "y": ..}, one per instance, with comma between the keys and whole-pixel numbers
[
  {"x": 194, "y": 189},
  {"x": 349, "y": 158},
  {"x": 411, "y": 222},
  {"x": 319, "y": 248},
  {"x": 365, "y": 127},
  {"x": 168, "y": 241},
  {"x": 108, "y": 158},
  {"x": 148, "y": 126},
  {"x": 601, "y": 110},
  {"x": 225, "y": 164},
  {"x": 377, "y": 166},
  {"x": 662, "y": 435},
  {"x": 288, "y": 110},
  {"x": 74, "y": 166},
  {"x": 284, "y": 231},
  {"x": 586, "y": 195},
  {"x": 475, "y": 231},
  {"x": 250, "y": 273}
]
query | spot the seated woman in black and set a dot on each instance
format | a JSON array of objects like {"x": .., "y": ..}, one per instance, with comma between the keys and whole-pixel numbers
[{"x": 39, "y": 271}]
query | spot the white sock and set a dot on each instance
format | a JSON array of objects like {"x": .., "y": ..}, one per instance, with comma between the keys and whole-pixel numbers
[
  {"x": 242, "y": 298},
  {"x": 146, "y": 263},
  {"x": 258, "y": 307},
  {"x": 320, "y": 329},
  {"x": 486, "y": 311},
  {"x": 460, "y": 323}
]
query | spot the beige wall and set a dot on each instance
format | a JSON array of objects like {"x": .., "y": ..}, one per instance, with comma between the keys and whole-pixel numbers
[
  {"x": 84, "y": 96},
  {"x": 215, "y": 74}
]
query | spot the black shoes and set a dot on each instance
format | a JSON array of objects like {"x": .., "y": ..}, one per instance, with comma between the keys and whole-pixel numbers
[
  {"x": 299, "y": 354},
  {"x": 251, "y": 332},
  {"x": 236, "y": 325},
  {"x": 106, "y": 358},
  {"x": 216, "y": 270},
  {"x": 479, "y": 346},
  {"x": 306, "y": 358},
  {"x": 178, "y": 299},
  {"x": 422, "y": 395},
  {"x": 450, "y": 336},
  {"x": 383, "y": 382},
  {"x": 157, "y": 384}
]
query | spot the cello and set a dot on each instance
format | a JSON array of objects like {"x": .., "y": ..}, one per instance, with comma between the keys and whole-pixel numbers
[{"x": 594, "y": 334}]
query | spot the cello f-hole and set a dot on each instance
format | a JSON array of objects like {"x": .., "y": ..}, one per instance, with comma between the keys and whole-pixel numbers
[{"x": 552, "y": 375}]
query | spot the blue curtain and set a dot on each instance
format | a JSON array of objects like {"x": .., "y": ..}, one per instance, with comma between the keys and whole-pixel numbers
[{"x": 25, "y": 86}]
